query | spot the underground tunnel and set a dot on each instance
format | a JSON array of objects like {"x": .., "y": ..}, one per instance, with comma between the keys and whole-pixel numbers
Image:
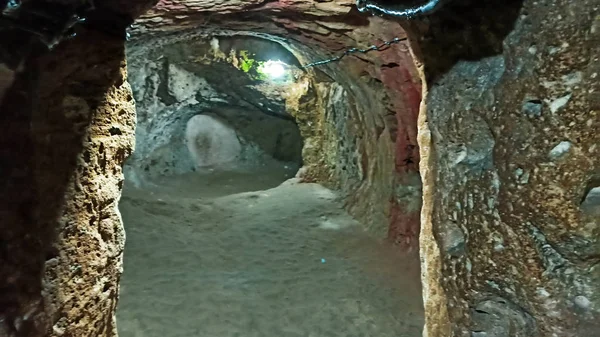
[
  {"x": 299, "y": 168},
  {"x": 230, "y": 168}
]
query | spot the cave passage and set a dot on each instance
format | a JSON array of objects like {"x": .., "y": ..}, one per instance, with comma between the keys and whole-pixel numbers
[
  {"x": 291, "y": 157},
  {"x": 223, "y": 238}
]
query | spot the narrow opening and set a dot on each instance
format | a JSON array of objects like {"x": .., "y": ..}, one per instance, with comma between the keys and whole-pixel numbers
[
  {"x": 265, "y": 199},
  {"x": 590, "y": 204}
]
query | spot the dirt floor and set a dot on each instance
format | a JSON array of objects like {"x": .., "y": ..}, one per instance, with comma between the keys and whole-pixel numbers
[{"x": 206, "y": 257}]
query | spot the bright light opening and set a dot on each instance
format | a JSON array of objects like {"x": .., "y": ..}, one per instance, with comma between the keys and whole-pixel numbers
[{"x": 273, "y": 69}]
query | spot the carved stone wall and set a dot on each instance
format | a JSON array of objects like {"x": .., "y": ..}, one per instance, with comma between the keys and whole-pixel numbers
[
  {"x": 510, "y": 161},
  {"x": 67, "y": 126}
]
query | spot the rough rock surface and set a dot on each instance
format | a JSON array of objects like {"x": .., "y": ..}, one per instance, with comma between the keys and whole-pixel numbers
[
  {"x": 211, "y": 142},
  {"x": 510, "y": 155},
  {"x": 67, "y": 126}
]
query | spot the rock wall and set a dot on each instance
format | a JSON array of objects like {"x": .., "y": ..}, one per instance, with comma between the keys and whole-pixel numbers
[
  {"x": 211, "y": 142},
  {"x": 370, "y": 135},
  {"x": 67, "y": 125},
  {"x": 509, "y": 140}
]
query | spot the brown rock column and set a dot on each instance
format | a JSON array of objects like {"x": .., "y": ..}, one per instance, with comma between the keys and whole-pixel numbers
[
  {"x": 510, "y": 154},
  {"x": 67, "y": 126}
]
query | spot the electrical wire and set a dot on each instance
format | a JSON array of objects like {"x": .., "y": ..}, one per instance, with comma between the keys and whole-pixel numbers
[
  {"x": 356, "y": 50},
  {"x": 401, "y": 12}
]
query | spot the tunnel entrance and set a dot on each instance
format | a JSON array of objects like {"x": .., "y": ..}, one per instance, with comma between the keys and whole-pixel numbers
[{"x": 236, "y": 200}]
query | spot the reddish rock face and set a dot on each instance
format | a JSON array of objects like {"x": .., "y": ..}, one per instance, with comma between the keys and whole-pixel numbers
[{"x": 400, "y": 78}]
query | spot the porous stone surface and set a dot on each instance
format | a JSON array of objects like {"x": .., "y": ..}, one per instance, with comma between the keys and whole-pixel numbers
[
  {"x": 67, "y": 126},
  {"x": 509, "y": 140}
]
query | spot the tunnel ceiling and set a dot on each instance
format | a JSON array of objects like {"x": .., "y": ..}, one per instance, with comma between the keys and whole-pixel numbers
[
  {"x": 176, "y": 77},
  {"x": 330, "y": 24},
  {"x": 231, "y": 68}
]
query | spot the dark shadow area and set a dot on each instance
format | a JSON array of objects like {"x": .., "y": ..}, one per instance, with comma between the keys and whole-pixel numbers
[
  {"x": 23, "y": 240},
  {"x": 39, "y": 150},
  {"x": 463, "y": 30}
]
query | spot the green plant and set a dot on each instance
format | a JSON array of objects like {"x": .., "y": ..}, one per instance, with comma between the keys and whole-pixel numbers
[
  {"x": 251, "y": 66},
  {"x": 246, "y": 62}
]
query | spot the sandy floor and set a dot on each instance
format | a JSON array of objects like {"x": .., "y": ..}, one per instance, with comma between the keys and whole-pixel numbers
[{"x": 206, "y": 258}]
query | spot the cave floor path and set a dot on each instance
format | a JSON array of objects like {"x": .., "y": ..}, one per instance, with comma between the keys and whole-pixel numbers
[{"x": 205, "y": 257}]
